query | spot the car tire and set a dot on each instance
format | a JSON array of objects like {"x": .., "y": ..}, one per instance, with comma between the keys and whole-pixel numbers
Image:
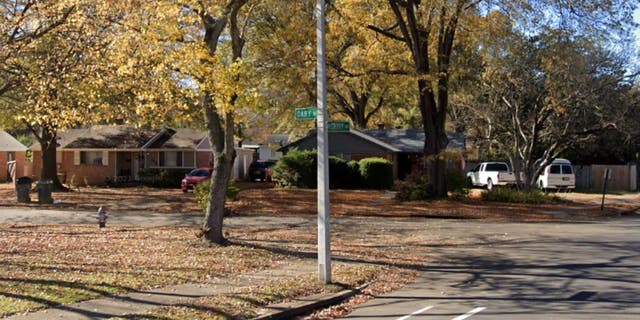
[
  {"x": 489, "y": 184},
  {"x": 469, "y": 183}
]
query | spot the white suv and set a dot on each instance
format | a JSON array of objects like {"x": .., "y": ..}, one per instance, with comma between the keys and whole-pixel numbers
[{"x": 557, "y": 175}]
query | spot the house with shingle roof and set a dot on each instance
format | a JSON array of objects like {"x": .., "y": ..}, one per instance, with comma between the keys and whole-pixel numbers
[
  {"x": 402, "y": 147},
  {"x": 12, "y": 157},
  {"x": 118, "y": 153}
]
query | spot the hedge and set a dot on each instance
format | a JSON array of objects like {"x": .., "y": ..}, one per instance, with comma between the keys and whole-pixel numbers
[
  {"x": 299, "y": 169},
  {"x": 376, "y": 173},
  {"x": 163, "y": 178}
]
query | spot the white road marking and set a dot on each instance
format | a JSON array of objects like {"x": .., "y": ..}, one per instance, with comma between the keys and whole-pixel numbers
[
  {"x": 415, "y": 313},
  {"x": 469, "y": 314}
]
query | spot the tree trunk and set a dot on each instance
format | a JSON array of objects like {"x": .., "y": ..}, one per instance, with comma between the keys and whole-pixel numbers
[
  {"x": 434, "y": 144},
  {"x": 49, "y": 171},
  {"x": 220, "y": 131},
  {"x": 221, "y": 138}
]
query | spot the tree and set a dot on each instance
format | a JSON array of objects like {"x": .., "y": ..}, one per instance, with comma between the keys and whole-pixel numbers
[
  {"x": 366, "y": 73},
  {"x": 198, "y": 48},
  {"x": 429, "y": 29},
  {"x": 546, "y": 94},
  {"x": 49, "y": 80}
]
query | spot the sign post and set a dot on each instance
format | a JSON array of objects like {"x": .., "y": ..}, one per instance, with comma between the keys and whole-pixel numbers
[
  {"x": 324, "y": 257},
  {"x": 306, "y": 113},
  {"x": 338, "y": 126},
  {"x": 606, "y": 177}
]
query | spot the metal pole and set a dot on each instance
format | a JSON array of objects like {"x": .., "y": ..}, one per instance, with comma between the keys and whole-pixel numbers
[
  {"x": 324, "y": 257},
  {"x": 607, "y": 174}
]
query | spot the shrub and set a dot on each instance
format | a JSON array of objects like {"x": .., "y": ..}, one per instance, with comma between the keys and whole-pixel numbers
[
  {"x": 354, "y": 174},
  {"x": 418, "y": 186},
  {"x": 340, "y": 174},
  {"x": 457, "y": 184},
  {"x": 296, "y": 169},
  {"x": 201, "y": 192},
  {"x": 518, "y": 196},
  {"x": 299, "y": 169},
  {"x": 415, "y": 187},
  {"x": 376, "y": 173},
  {"x": 163, "y": 178}
]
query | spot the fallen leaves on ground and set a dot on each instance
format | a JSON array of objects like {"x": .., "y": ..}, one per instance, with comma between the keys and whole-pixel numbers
[
  {"x": 50, "y": 265},
  {"x": 259, "y": 198}
]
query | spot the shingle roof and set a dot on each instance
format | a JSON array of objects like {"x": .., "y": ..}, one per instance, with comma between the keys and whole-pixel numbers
[
  {"x": 102, "y": 137},
  {"x": 351, "y": 141},
  {"x": 412, "y": 141},
  {"x": 9, "y": 144},
  {"x": 181, "y": 138}
]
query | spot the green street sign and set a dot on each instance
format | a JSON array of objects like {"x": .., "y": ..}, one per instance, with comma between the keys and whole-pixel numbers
[
  {"x": 306, "y": 113},
  {"x": 338, "y": 126}
]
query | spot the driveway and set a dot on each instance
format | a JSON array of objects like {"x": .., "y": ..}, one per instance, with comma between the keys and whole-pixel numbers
[{"x": 524, "y": 271}]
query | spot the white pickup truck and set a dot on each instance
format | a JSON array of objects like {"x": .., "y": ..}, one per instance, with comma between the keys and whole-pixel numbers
[{"x": 491, "y": 174}]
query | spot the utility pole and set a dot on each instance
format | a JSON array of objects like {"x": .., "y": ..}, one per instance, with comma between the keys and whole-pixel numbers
[{"x": 324, "y": 256}]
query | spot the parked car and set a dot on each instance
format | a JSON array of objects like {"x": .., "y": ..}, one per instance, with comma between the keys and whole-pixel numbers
[
  {"x": 260, "y": 170},
  {"x": 557, "y": 175},
  {"x": 491, "y": 174},
  {"x": 194, "y": 177}
]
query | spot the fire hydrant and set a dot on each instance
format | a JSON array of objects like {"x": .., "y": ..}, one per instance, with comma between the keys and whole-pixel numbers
[{"x": 102, "y": 217}]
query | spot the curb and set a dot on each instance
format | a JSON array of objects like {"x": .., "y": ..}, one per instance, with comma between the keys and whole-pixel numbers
[{"x": 307, "y": 304}]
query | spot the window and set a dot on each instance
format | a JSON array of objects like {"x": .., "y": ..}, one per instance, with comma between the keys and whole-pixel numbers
[
  {"x": 554, "y": 169},
  {"x": 170, "y": 159},
  {"x": 189, "y": 159},
  {"x": 91, "y": 157},
  {"x": 566, "y": 169},
  {"x": 11, "y": 156},
  {"x": 496, "y": 167}
]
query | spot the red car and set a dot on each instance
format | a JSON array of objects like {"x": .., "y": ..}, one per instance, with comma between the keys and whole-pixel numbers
[{"x": 194, "y": 177}]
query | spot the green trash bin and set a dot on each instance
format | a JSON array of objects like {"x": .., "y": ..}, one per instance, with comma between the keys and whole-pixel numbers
[
  {"x": 23, "y": 187},
  {"x": 44, "y": 191}
]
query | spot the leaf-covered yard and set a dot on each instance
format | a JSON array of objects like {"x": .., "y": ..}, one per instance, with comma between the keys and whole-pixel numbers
[
  {"x": 45, "y": 265},
  {"x": 263, "y": 199}
]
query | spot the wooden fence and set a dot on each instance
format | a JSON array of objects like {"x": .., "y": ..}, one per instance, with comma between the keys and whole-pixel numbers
[{"x": 623, "y": 177}]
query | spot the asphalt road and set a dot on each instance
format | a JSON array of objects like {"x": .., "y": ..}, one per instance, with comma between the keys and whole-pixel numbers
[{"x": 524, "y": 271}]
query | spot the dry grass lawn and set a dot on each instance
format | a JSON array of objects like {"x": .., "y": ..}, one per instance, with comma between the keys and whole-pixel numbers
[{"x": 263, "y": 199}]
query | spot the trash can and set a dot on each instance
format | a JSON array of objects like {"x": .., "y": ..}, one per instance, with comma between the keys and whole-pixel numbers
[
  {"x": 23, "y": 187},
  {"x": 44, "y": 191}
]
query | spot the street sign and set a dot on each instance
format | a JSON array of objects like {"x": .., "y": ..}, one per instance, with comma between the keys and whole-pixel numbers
[
  {"x": 306, "y": 113},
  {"x": 341, "y": 126}
]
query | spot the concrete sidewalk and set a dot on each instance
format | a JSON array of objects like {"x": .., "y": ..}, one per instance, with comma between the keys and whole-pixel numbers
[{"x": 138, "y": 303}]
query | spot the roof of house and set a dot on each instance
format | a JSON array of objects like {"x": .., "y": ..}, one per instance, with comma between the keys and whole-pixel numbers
[
  {"x": 181, "y": 138},
  {"x": 349, "y": 142},
  {"x": 371, "y": 141},
  {"x": 9, "y": 144},
  {"x": 412, "y": 140},
  {"x": 102, "y": 137}
]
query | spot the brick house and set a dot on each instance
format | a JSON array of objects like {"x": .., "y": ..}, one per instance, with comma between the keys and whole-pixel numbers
[
  {"x": 102, "y": 154},
  {"x": 12, "y": 157}
]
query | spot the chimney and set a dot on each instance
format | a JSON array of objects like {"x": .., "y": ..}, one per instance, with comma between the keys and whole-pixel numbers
[{"x": 380, "y": 125}]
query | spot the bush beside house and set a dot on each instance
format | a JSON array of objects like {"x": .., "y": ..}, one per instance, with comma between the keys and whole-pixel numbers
[
  {"x": 163, "y": 178},
  {"x": 299, "y": 169},
  {"x": 376, "y": 173},
  {"x": 418, "y": 186}
]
